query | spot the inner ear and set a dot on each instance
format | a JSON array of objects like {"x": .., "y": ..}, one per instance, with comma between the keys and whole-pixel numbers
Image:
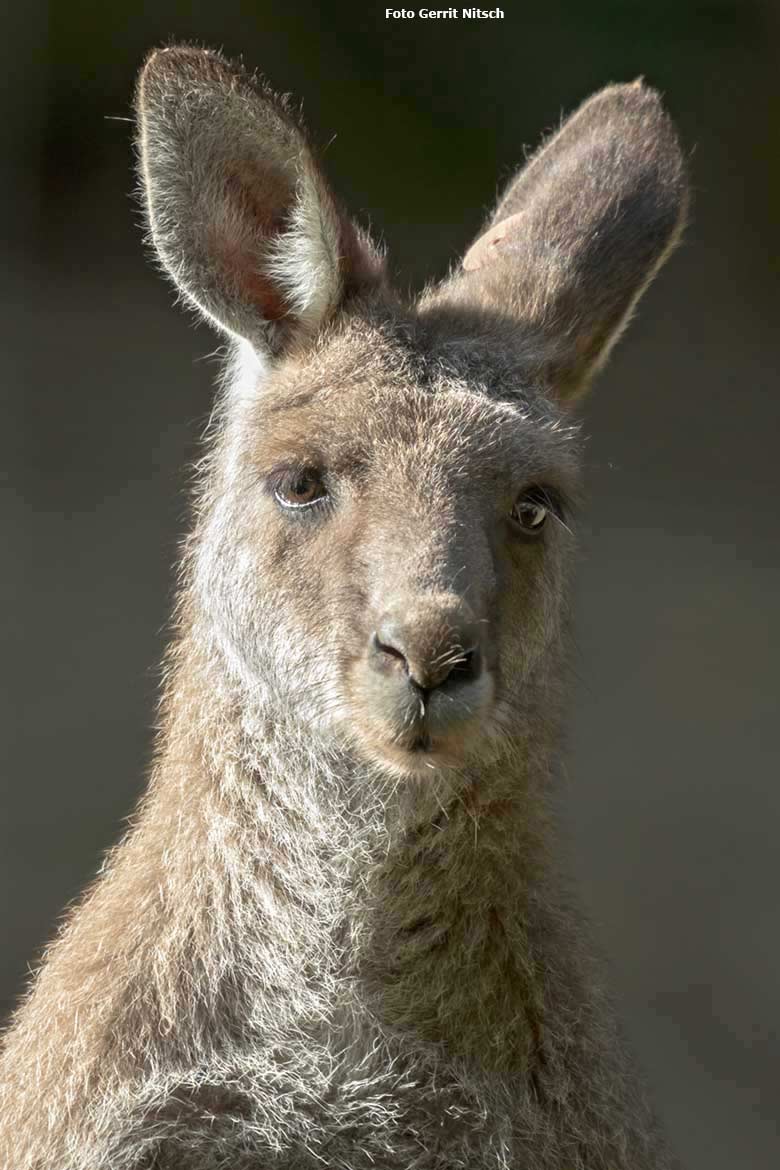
[{"x": 257, "y": 211}]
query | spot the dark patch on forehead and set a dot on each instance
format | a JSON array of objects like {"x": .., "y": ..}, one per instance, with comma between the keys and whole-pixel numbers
[{"x": 498, "y": 375}]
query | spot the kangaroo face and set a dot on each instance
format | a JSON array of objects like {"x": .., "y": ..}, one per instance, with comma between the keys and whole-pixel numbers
[
  {"x": 382, "y": 542},
  {"x": 402, "y": 529}
]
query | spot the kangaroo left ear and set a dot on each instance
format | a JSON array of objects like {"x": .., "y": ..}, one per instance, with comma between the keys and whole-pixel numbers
[
  {"x": 240, "y": 214},
  {"x": 579, "y": 234}
]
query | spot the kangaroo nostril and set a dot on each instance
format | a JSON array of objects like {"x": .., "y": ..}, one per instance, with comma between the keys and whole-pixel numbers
[
  {"x": 384, "y": 649},
  {"x": 466, "y": 666},
  {"x": 429, "y": 658}
]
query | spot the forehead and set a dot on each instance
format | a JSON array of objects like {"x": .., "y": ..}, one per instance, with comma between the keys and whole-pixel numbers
[{"x": 371, "y": 392}]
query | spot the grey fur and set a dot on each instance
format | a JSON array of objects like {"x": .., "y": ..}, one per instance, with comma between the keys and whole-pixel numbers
[{"x": 317, "y": 945}]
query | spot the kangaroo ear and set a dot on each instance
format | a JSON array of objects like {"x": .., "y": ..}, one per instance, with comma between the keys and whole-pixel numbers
[
  {"x": 579, "y": 234},
  {"x": 239, "y": 212}
]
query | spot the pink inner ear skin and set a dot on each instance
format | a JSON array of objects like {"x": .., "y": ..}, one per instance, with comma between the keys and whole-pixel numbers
[
  {"x": 257, "y": 202},
  {"x": 480, "y": 252},
  {"x": 238, "y": 267}
]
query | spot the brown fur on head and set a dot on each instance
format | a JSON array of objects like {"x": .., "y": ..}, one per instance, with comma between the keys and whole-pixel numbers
[{"x": 383, "y": 538}]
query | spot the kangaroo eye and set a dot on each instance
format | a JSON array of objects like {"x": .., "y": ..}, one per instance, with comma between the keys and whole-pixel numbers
[
  {"x": 300, "y": 489},
  {"x": 531, "y": 510}
]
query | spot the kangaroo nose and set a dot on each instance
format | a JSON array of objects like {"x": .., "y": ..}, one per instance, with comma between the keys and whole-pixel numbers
[{"x": 433, "y": 645}]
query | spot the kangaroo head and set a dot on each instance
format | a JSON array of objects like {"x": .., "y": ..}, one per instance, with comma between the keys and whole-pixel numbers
[{"x": 384, "y": 529}]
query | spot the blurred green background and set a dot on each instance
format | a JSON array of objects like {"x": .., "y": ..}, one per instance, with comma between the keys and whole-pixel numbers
[{"x": 671, "y": 784}]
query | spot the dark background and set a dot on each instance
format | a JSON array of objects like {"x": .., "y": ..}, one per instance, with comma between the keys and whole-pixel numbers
[{"x": 672, "y": 774}]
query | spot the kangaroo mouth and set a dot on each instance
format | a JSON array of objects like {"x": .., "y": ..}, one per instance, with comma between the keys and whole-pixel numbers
[
  {"x": 411, "y": 729},
  {"x": 422, "y": 738},
  {"x": 420, "y": 752},
  {"x": 422, "y": 744}
]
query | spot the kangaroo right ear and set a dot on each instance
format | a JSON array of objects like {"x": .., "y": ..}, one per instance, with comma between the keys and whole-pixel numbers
[
  {"x": 240, "y": 214},
  {"x": 579, "y": 234}
]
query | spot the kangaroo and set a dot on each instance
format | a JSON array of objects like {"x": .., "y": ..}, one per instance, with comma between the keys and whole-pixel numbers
[{"x": 338, "y": 932}]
